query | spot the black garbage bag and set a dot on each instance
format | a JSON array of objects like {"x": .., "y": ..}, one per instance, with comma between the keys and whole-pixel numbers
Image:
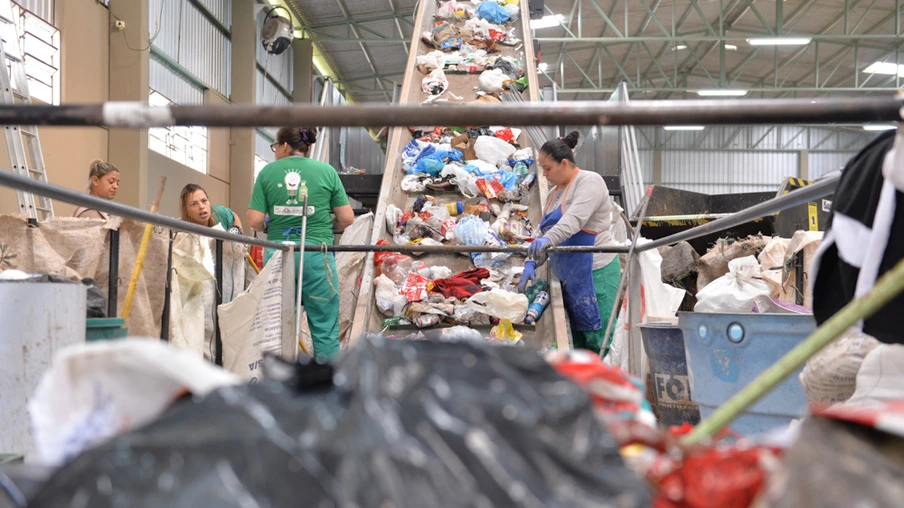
[
  {"x": 508, "y": 68},
  {"x": 397, "y": 423}
]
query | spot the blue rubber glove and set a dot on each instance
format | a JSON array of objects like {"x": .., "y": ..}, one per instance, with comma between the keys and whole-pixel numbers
[
  {"x": 537, "y": 246},
  {"x": 527, "y": 275}
]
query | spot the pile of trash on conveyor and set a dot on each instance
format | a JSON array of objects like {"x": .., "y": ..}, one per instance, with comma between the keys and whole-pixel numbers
[{"x": 488, "y": 172}]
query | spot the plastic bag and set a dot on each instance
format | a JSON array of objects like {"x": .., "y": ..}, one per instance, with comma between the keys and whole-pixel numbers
[
  {"x": 96, "y": 391},
  {"x": 481, "y": 168},
  {"x": 523, "y": 155},
  {"x": 505, "y": 332},
  {"x": 413, "y": 151},
  {"x": 446, "y": 10},
  {"x": 492, "y": 12},
  {"x": 500, "y": 304},
  {"x": 412, "y": 183},
  {"x": 389, "y": 301},
  {"x": 465, "y": 182},
  {"x": 492, "y": 81},
  {"x": 427, "y": 166},
  {"x": 393, "y": 214},
  {"x": 415, "y": 287},
  {"x": 508, "y": 179},
  {"x": 396, "y": 267},
  {"x": 435, "y": 83},
  {"x": 734, "y": 292},
  {"x": 491, "y": 149},
  {"x": 514, "y": 11},
  {"x": 431, "y": 61},
  {"x": 471, "y": 230}
]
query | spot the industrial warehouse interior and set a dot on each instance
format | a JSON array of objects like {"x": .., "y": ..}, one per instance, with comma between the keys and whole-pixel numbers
[{"x": 463, "y": 253}]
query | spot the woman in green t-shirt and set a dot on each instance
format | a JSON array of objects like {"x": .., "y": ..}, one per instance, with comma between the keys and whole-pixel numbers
[
  {"x": 278, "y": 192},
  {"x": 196, "y": 208}
]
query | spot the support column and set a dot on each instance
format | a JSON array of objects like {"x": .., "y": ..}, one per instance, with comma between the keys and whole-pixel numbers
[
  {"x": 657, "y": 167},
  {"x": 803, "y": 164},
  {"x": 303, "y": 71},
  {"x": 244, "y": 83},
  {"x": 129, "y": 76}
]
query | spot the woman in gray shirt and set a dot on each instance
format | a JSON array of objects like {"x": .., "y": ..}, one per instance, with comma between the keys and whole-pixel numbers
[{"x": 577, "y": 212}]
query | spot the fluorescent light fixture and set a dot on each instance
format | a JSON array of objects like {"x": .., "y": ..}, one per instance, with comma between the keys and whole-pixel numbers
[
  {"x": 679, "y": 47},
  {"x": 779, "y": 41},
  {"x": 722, "y": 92},
  {"x": 542, "y": 67},
  {"x": 731, "y": 47},
  {"x": 885, "y": 68},
  {"x": 546, "y": 22},
  {"x": 683, "y": 127},
  {"x": 879, "y": 127}
]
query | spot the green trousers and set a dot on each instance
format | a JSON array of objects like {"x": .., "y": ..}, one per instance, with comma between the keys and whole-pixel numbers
[
  {"x": 320, "y": 298},
  {"x": 605, "y": 283}
]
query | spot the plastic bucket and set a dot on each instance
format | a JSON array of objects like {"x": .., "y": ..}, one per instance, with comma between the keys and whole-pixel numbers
[
  {"x": 105, "y": 329},
  {"x": 664, "y": 345},
  {"x": 725, "y": 352}
]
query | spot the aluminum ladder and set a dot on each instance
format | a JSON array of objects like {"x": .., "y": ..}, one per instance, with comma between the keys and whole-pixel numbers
[{"x": 19, "y": 138}]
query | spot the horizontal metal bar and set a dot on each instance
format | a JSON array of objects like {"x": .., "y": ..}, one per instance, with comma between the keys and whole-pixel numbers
[
  {"x": 798, "y": 197},
  {"x": 712, "y": 38},
  {"x": 136, "y": 115},
  {"x": 861, "y": 89},
  {"x": 10, "y": 179}
]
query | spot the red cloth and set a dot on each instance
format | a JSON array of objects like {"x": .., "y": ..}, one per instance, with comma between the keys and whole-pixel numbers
[{"x": 462, "y": 285}]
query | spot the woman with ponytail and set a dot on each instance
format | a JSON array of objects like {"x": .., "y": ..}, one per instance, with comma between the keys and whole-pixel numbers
[
  {"x": 103, "y": 182},
  {"x": 279, "y": 193},
  {"x": 577, "y": 212}
]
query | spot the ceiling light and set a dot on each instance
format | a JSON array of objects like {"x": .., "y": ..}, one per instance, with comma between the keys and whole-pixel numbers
[
  {"x": 879, "y": 127},
  {"x": 779, "y": 41},
  {"x": 542, "y": 67},
  {"x": 546, "y": 22},
  {"x": 722, "y": 92},
  {"x": 885, "y": 68},
  {"x": 683, "y": 127},
  {"x": 679, "y": 47},
  {"x": 731, "y": 47}
]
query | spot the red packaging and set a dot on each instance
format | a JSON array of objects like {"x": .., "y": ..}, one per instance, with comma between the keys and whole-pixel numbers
[
  {"x": 496, "y": 35},
  {"x": 447, "y": 229},
  {"x": 424, "y": 216},
  {"x": 506, "y": 135},
  {"x": 380, "y": 256},
  {"x": 405, "y": 218},
  {"x": 415, "y": 288},
  {"x": 485, "y": 188},
  {"x": 496, "y": 188}
]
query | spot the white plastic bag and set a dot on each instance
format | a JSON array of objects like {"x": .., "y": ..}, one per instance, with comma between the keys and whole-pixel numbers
[
  {"x": 523, "y": 154},
  {"x": 492, "y": 81},
  {"x": 446, "y": 10},
  {"x": 412, "y": 183},
  {"x": 389, "y": 301},
  {"x": 734, "y": 292},
  {"x": 99, "y": 390},
  {"x": 465, "y": 182},
  {"x": 491, "y": 149},
  {"x": 393, "y": 214},
  {"x": 500, "y": 304},
  {"x": 513, "y": 11},
  {"x": 772, "y": 261},
  {"x": 432, "y": 61},
  {"x": 471, "y": 230},
  {"x": 435, "y": 83}
]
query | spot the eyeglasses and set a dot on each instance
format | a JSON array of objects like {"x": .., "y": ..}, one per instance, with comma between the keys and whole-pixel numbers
[{"x": 273, "y": 146}]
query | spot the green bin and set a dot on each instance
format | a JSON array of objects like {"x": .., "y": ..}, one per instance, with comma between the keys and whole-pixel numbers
[{"x": 105, "y": 329}]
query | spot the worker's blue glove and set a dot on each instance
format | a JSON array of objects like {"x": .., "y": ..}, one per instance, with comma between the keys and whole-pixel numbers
[
  {"x": 537, "y": 247},
  {"x": 527, "y": 275}
]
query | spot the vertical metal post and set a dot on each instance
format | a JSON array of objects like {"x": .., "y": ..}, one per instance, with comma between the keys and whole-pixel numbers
[
  {"x": 816, "y": 63},
  {"x": 167, "y": 291},
  {"x": 113, "y": 277},
  {"x": 635, "y": 344},
  {"x": 218, "y": 299},
  {"x": 799, "y": 278}
]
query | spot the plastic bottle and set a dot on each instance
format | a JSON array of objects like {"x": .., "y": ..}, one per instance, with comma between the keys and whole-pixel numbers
[
  {"x": 536, "y": 309},
  {"x": 303, "y": 190}
]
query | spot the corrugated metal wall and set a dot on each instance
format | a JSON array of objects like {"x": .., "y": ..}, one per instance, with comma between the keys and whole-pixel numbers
[
  {"x": 824, "y": 163},
  {"x": 262, "y": 147},
  {"x": 362, "y": 152},
  {"x": 42, "y": 8},
  {"x": 726, "y": 172},
  {"x": 173, "y": 85},
  {"x": 190, "y": 39}
]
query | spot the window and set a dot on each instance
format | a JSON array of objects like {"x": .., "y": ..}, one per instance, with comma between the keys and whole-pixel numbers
[
  {"x": 185, "y": 145},
  {"x": 39, "y": 42}
]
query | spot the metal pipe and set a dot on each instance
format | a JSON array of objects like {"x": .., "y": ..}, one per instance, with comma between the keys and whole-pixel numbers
[
  {"x": 716, "y": 112},
  {"x": 113, "y": 276},
  {"x": 798, "y": 197},
  {"x": 218, "y": 300},
  {"x": 167, "y": 292},
  {"x": 10, "y": 179}
]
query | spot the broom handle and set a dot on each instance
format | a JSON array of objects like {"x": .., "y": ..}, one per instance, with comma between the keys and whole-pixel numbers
[{"x": 142, "y": 252}]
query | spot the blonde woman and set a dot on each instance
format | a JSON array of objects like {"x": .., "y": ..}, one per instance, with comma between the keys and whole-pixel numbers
[{"x": 103, "y": 182}]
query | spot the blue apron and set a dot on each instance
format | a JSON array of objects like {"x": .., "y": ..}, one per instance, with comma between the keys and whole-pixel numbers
[{"x": 575, "y": 271}]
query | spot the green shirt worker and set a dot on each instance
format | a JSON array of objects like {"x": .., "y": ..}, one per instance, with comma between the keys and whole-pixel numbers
[
  {"x": 197, "y": 208},
  {"x": 278, "y": 192}
]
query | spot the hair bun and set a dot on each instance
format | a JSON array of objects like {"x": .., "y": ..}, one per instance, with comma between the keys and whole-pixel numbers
[{"x": 572, "y": 139}]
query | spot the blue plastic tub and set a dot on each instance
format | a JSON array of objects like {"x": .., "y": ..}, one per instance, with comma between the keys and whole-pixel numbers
[
  {"x": 725, "y": 352},
  {"x": 664, "y": 344}
]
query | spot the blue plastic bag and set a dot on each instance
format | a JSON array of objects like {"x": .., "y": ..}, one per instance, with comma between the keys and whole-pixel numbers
[
  {"x": 471, "y": 230},
  {"x": 508, "y": 179},
  {"x": 427, "y": 166},
  {"x": 492, "y": 12},
  {"x": 448, "y": 156},
  {"x": 428, "y": 150},
  {"x": 414, "y": 151}
]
